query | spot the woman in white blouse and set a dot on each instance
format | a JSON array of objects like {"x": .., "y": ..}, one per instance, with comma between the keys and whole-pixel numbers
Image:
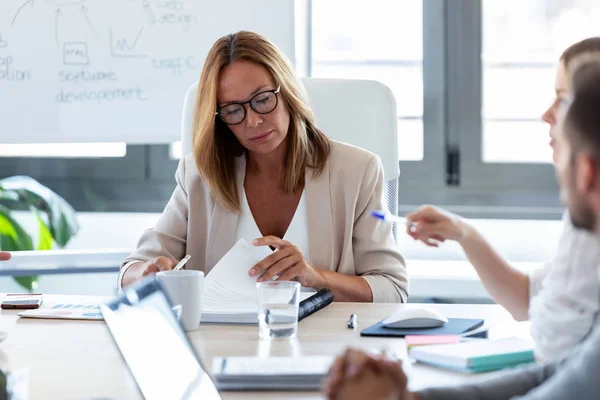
[
  {"x": 261, "y": 170},
  {"x": 561, "y": 298}
]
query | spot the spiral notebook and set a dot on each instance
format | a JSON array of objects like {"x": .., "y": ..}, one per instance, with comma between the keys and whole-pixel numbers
[{"x": 272, "y": 373}]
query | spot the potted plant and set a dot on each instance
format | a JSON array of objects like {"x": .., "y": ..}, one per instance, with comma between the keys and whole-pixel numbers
[{"x": 56, "y": 219}]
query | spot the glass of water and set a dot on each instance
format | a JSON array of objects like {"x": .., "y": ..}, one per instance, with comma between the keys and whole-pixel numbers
[{"x": 278, "y": 309}]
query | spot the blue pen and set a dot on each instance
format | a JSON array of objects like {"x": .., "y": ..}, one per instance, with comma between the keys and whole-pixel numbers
[
  {"x": 387, "y": 217},
  {"x": 390, "y": 218}
]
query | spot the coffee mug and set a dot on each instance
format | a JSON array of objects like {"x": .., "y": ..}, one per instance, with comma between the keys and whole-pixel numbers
[{"x": 185, "y": 288}]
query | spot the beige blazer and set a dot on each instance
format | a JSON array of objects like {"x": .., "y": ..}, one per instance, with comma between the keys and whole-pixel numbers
[{"x": 343, "y": 237}]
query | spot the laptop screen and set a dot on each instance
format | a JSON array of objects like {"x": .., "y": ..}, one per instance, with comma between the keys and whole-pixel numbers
[{"x": 156, "y": 349}]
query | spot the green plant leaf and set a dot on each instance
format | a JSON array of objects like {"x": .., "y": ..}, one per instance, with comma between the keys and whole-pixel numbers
[
  {"x": 28, "y": 282},
  {"x": 8, "y": 195},
  {"x": 6, "y": 228},
  {"x": 45, "y": 237},
  {"x": 62, "y": 220},
  {"x": 13, "y": 236}
]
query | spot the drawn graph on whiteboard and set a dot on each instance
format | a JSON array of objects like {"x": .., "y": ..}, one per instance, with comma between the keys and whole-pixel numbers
[
  {"x": 121, "y": 43},
  {"x": 124, "y": 47}
]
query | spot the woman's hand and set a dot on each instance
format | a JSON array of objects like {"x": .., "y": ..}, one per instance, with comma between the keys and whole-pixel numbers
[
  {"x": 4, "y": 255},
  {"x": 139, "y": 270},
  {"x": 287, "y": 263},
  {"x": 432, "y": 225}
]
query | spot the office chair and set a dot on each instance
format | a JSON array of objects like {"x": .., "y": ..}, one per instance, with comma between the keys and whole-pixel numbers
[{"x": 358, "y": 112}]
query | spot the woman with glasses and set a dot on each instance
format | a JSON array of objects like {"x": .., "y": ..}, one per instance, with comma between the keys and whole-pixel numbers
[{"x": 261, "y": 170}]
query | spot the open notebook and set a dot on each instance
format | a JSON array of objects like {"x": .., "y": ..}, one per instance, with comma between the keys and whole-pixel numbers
[{"x": 229, "y": 294}]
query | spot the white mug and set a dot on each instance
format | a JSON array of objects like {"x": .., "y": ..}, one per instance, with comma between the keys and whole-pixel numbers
[{"x": 185, "y": 288}]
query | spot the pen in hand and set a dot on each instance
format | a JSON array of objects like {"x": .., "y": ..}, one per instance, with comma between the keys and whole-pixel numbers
[
  {"x": 391, "y": 218},
  {"x": 387, "y": 217},
  {"x": 181, "y": 263}
]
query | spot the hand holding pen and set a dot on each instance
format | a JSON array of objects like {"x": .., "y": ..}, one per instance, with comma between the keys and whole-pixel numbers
[
  {"x": 433, "y": 223},
  {"x": 391, "y": 218},
  {"x": 417, "y": 227}
]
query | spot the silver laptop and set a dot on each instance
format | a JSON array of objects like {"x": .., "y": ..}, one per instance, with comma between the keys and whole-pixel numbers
[{"x": 155, "y": 347}]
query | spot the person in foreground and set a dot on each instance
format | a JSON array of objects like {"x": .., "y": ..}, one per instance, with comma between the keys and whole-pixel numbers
[
  {"x": 4, "y": 255},
  {"x": 357, "y": 375},
  {"x": 561, "y": 298},
  {"x": 261, "y": 170}
]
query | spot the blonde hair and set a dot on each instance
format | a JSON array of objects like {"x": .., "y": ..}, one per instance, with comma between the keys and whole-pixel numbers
[{"x": 215, "y": 146}]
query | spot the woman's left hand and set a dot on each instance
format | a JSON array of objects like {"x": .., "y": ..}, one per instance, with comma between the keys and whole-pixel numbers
[{"x": 287, "y": 263}]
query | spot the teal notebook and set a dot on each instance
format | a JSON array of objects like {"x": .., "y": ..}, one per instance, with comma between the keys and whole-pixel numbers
[{"x": 476, "y": 356}]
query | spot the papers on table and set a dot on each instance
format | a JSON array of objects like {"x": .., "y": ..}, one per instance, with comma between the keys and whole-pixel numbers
[{"x": 229, "y": 293}]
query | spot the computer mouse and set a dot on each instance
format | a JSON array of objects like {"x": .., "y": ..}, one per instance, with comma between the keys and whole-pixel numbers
[{"x": 415, "y": 318}]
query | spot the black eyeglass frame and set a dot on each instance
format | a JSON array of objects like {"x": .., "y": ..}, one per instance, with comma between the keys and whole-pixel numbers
[{"x": 275, "y": 92}]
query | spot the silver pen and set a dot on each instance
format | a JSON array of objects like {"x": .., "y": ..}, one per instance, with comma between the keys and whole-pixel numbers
[
  {"x": 352, "y": 321},
  {"x": 181, "y": 263}
]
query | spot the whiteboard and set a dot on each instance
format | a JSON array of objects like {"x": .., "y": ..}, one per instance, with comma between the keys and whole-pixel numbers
[{"x": 114, "y": 70}]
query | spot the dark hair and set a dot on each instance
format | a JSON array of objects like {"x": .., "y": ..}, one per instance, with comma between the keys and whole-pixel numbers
[
  {"x": 582, "y": 121},
  {"x": 585, "y": 46}
]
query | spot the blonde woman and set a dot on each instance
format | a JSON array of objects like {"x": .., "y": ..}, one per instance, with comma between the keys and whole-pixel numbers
[{"x": 262, "y": 171}]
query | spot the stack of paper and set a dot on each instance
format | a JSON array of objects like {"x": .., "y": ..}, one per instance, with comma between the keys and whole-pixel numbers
[
  {"x": 273, "y": 373},
  {"x": 65, "y": 311},
  {"x": 229, "y": 294},
  {"x": 476, "y": 356}
]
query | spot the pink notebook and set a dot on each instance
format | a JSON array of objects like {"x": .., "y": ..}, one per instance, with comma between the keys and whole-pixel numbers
[{"x": 422, "y": 340}]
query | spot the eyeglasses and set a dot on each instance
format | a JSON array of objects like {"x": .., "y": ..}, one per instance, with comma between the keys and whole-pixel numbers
[{"x": 262, "y": 103}]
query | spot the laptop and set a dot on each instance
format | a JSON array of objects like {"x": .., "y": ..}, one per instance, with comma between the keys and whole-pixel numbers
[{"x": 155, "y": 347}]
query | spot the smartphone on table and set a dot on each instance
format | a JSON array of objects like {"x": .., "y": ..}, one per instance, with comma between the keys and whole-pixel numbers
[{"x": 21, "y": 301}]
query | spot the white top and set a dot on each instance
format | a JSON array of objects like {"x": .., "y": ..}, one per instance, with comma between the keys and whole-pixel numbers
[
  {"x": 297, "y": 232},
  {"x": 565, "y": 294}
]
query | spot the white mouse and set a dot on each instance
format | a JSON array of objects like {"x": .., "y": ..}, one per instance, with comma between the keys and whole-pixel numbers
[{"x": 415, "y": 318}]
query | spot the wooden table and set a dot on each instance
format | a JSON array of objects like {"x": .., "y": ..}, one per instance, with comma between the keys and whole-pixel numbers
[{"x": 78, "y": 359}]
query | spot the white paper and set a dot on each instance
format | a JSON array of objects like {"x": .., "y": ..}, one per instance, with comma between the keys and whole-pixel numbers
[{"x": 228, "y": 287}]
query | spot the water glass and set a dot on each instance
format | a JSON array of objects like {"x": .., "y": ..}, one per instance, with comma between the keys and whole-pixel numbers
[{"x": 278, "y": 309}]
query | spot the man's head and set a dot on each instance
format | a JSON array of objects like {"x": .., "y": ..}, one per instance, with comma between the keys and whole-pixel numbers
[{"x": 578, "y": 145}]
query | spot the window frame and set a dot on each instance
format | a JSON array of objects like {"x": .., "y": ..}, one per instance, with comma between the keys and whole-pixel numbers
[
  {"x": 143, "y": 180},
  {"x": 522, "y": 189},
  {"x": 453, "y": 135}
]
